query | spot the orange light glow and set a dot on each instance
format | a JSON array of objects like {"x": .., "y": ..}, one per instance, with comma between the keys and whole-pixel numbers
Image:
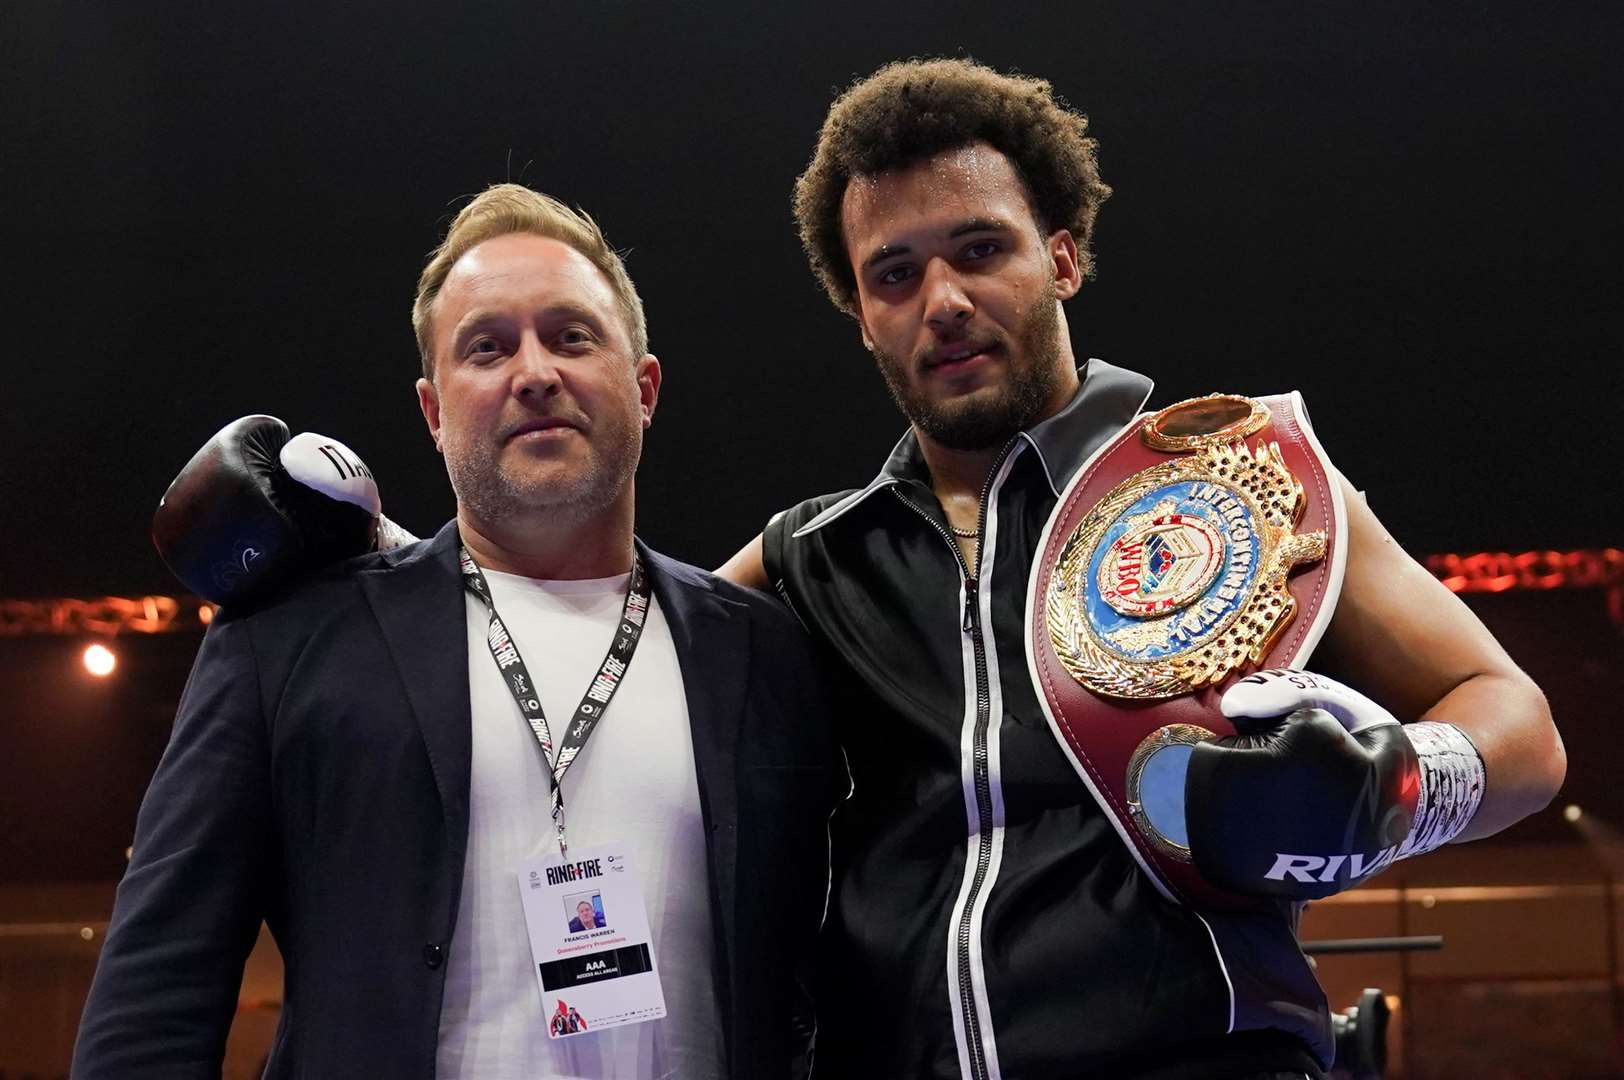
[{"x": 100, "y": 660}]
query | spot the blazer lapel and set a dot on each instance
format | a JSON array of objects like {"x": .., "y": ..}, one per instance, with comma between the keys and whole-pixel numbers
[
  {"x": 418, "y": 602},
  {"x": 712, "y": 636}
]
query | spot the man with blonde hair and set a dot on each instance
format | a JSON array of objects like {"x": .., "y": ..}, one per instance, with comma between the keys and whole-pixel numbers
[
  {"x": 513, "y": 208},
  {"x": 372, "y": 763}
]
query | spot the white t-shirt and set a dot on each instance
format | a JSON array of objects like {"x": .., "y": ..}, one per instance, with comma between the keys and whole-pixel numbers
[{"x": 634, "y": 783}]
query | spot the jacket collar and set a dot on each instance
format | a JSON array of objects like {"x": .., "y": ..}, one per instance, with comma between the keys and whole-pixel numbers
[
  {"x": 417, "y": 596},
  {"x": 1108, "y": 398}
]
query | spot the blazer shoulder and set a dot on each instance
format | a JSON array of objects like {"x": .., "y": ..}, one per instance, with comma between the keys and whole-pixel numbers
[
  {"x": 324, "y": 591},
  {"x": 763, "y": 608}
]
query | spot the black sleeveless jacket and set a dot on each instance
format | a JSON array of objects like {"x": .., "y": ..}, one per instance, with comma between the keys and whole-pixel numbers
[{"x": 985, "y": 920}]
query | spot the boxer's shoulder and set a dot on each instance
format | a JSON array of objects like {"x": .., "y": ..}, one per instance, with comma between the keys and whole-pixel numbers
[{"x": 809, "y": 514}]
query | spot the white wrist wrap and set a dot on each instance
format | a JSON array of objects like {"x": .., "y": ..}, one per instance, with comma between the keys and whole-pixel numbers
[{"x": 1452, "y": 780}]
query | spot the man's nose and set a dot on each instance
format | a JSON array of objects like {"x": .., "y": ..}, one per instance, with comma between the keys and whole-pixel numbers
[
  {"x": 946, "y": 302},
  {"x": 535, "y": 373}
]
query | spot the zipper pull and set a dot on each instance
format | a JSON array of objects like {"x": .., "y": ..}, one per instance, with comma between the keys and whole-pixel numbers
[{"x": 970, "y": 606}]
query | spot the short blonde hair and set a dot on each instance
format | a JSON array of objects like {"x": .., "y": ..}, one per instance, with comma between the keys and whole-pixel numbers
[{"x": 512, "y": 208}]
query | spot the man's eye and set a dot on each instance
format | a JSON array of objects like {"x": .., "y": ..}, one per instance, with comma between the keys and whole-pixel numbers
[
  {"x": 574, "y": 335},
  {"x": 894, "y": 274},
  {"x": 483, "y": 347},
  {"x": 981, "y": 249}
]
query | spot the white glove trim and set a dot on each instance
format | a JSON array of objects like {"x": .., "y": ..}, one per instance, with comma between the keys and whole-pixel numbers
[
  {"x": 1284, "y": 690},
  {"x": 328, "y": 466}
]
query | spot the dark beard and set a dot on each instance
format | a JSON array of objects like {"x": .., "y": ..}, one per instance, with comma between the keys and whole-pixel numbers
[{"x": 1033, "y": 377}]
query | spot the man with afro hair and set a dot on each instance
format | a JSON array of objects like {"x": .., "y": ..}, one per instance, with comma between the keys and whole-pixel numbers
[{"x": 986, "y": 918}]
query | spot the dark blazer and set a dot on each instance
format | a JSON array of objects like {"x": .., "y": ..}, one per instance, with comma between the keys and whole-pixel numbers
[{"x": 317, "y": 778}]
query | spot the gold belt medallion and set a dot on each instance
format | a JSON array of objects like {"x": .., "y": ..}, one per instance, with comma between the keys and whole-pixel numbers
[{"x": 1177, "y": 577}]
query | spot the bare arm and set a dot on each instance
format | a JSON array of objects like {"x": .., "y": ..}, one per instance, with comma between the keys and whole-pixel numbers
[
  {"x": 746, "y": 568},
  {"x": 1414, "y": 646}
]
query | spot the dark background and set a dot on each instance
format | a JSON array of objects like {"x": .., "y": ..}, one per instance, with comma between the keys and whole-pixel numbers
[{"x": 1409, "y": 212}]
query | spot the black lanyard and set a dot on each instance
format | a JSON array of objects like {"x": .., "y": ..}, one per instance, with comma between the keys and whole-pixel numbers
[{"x": 594, "y": 703}]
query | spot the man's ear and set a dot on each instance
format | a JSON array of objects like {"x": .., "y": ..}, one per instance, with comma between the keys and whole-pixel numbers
[
  {"x": 649, "y": 376},
  {"x": 429, "y": 401},
  {"x": 862, "y": 324},
  {"x": 1068, "y": 272}
]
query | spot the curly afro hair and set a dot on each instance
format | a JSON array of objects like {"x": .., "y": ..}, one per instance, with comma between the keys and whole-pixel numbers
[{"x": 915, "y": 109}]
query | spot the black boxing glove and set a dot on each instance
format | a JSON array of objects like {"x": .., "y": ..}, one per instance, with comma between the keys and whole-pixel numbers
[
  {"x": 1317, "y": 792},
  {"x": 254, "y": 509}
]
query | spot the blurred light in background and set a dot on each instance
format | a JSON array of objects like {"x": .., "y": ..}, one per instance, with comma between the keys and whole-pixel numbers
[{"x": 100, "y": 660}]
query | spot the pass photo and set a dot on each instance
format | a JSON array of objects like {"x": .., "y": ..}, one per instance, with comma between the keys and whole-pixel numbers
[{"x": 584, "y": 912}]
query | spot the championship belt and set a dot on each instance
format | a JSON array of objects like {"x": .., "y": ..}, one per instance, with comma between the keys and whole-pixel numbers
[{"x": 1202, "y": 542}]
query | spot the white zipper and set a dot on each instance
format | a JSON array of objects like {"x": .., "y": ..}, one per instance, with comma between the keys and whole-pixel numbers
[{"x": 981, "y": 776}]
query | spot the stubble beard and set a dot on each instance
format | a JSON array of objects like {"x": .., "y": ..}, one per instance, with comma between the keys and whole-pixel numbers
[
  {"x": 494, "y": 492},
  {"x": 1034, "y": 375}
]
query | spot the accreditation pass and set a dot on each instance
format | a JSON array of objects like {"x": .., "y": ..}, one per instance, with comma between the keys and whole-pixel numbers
[{"x": 590, "y": 941}]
